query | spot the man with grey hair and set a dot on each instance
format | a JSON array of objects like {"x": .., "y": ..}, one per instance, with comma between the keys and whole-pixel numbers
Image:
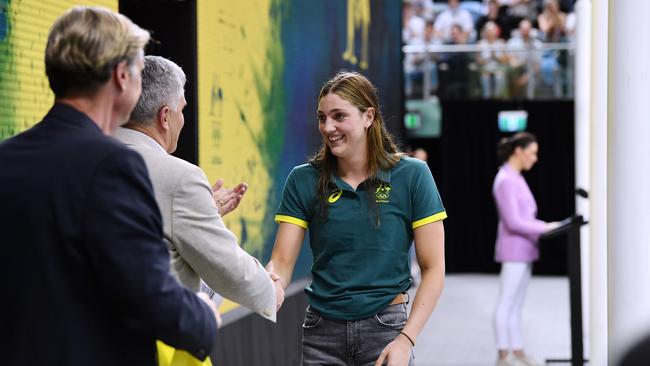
[
  {"x": 200, "y": 245},
  {"x": 87, "y": 277}
]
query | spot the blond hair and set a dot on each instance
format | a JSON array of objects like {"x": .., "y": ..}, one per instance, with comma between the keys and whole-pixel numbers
[{"x": 85, "y": 44}]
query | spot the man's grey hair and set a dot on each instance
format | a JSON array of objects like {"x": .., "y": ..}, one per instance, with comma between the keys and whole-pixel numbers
[{"x": 162, "y": 85}]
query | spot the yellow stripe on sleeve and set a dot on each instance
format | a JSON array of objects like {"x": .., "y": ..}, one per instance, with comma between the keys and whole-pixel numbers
[
  {"x": 292, "y": 220},
  {"x": 427, "y": 220}
]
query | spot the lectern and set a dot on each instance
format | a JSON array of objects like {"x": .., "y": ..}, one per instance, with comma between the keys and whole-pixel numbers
[{"x": 570, "y": 227}]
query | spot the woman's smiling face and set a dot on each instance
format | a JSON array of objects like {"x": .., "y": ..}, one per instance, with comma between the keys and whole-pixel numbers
[{"x": 343, "y": 126}]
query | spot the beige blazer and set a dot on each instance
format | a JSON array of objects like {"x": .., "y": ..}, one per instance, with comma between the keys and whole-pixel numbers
[{"x": 200, "y": 245}]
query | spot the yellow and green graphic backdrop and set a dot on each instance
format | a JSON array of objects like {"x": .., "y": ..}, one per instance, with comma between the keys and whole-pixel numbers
[
  {"x": 239, "y": 107},
  {"x": 25, "y": 95},
  {"x": 261, "y": 64}
]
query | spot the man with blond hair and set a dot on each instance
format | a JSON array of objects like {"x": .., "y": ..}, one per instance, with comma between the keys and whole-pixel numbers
[{"x": 86, "y": 280}]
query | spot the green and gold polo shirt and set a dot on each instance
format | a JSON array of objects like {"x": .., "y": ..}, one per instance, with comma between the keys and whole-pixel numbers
[{"x": 360, "y": 267}]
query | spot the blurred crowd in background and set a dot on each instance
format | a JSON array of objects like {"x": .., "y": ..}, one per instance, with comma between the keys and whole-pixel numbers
[{"x": 499, "y": 48}]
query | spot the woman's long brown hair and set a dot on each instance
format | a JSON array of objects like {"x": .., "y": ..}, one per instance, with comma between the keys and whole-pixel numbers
[{"x": 383, "y": 154}]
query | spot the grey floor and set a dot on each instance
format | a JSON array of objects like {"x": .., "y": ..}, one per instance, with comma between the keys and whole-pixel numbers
[{"x": 460, "y": 331}]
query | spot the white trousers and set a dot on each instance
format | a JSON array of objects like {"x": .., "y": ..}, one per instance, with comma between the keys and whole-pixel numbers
[{"x": 515, "y": 277}]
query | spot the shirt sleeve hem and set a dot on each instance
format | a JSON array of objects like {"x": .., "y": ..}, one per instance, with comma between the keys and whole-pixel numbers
[
  {"x": 292, "y": 220},
  {"x": 427, "y": 220}
]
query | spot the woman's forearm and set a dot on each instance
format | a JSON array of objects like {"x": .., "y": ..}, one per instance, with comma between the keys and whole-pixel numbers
[{"x": 426, "y": 298}]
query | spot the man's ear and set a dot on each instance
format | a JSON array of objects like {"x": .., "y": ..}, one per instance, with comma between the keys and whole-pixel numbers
[
  {"x": 163, "y": 117},
  {"x": 121, "y": 75}
]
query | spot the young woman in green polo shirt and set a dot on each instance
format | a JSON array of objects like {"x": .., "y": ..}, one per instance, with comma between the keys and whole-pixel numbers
[{"x": 362, "y": 203}]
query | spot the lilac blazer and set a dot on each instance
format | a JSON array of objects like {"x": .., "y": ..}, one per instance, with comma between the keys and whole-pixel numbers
[{"x": 518, "y": 228}]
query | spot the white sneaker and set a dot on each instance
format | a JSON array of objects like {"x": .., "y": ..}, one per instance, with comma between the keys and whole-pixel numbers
[
  {"x": 527, "y": 361},
  {"x": 508, "y": 361},
  {"x": 503, "y": 362},
  {"x": 512, "y": 360}
]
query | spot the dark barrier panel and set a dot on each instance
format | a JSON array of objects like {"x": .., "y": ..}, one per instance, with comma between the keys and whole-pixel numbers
[
  {"x": 463, "y": 161},
  {"x": 248, "y": 339}
]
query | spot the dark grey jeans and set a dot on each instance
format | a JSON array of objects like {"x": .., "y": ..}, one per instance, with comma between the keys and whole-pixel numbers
[{"x": 350, "y": 343}]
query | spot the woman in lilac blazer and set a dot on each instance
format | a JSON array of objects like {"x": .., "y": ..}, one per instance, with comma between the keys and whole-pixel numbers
[{"x": 516, "y": 244}]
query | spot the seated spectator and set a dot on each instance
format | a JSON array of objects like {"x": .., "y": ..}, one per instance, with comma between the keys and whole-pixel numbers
[
  {"x": 448, "y": 18},
  {"x": 491, "y": 60},
  {"x": 424, "y": 9},
  {"x": 552, "y": 22},
  {"x": 497, "y": 15},
  {"x": 515, "y": 11},
  {"x": 413, "y": 25},
  {"x": 454, "y": 67},
  {"x": 416, "y": 64},
  {"x": 524, "y": 55}
]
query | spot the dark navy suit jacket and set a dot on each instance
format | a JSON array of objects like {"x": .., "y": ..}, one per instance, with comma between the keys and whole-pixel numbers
[{"x": 84, "y": 271}]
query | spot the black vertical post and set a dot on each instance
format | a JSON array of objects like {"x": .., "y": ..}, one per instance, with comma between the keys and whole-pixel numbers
[
  {"x": 575, "y": 293},
  {"x": 172, "y": 24}
]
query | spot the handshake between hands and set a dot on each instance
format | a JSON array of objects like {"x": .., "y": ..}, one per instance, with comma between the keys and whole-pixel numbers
[
  {"x": 279, "y": 288},
  {"x": 227, "y": 200}
]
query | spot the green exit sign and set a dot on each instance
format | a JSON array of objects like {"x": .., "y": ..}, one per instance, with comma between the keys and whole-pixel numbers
[{"x": 412, "y": 120}]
